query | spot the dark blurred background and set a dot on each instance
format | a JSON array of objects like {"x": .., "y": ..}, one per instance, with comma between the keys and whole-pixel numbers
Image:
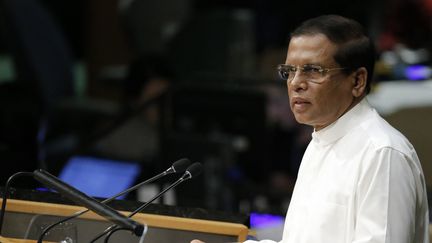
[{"x": 150, "y": 82}]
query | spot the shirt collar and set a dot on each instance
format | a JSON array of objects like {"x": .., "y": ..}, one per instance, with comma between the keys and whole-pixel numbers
[{"x": 343, "y": 125}]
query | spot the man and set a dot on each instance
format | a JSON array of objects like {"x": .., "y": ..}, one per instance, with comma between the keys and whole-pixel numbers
[{"x": 360, "y": 180}]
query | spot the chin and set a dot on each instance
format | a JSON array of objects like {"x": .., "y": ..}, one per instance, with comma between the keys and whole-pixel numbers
[
  {"x": 301, "y": 119},
  {"x": 305, "y": 120}
]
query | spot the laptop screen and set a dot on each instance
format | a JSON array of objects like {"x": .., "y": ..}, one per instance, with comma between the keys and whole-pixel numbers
[{"x": 99, "y": 177}]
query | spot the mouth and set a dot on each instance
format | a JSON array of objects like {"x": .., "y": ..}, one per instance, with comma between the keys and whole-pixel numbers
[
  {"x": 298, "y": 100},
  {"x": 300, "y": 104}
]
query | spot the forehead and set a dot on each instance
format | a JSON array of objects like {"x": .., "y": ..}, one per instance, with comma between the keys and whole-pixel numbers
[{"x": 313, "y": 49}]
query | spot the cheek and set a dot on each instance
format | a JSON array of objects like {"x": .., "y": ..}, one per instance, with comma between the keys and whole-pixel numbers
[
  {"x": 328, "y": 101},
  {"x": 334, "y": 101},
  {"x": 324, "y": 98}
]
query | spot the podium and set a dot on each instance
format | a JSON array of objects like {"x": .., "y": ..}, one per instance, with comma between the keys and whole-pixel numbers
[{"x": 24, "y": 218}]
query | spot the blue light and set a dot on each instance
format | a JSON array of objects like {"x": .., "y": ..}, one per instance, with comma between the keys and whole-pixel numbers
[
  {"x": 99, "y": 177},
  {"x": 258, "y": 220},
  {"x": 418, "y": 72}
]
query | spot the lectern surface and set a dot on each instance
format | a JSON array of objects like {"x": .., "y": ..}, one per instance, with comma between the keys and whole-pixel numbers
[{"x": 25, "y": 219}]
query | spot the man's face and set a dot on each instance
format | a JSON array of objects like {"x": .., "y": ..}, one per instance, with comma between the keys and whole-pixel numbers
[{"x": 317, "y": 104}]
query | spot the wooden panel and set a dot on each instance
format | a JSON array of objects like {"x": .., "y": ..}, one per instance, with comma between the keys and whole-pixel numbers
[
  {"x": 152, "y": 220},
  {"x": 13, "y": 240}
]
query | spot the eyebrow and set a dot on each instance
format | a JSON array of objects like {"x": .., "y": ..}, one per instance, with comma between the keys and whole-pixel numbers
[{"x": 315, "y": 64}]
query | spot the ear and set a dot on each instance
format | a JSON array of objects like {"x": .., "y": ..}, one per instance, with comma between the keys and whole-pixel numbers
[{"x": 359, "y": 82}]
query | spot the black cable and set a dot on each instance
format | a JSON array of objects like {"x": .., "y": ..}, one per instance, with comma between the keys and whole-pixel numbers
[
  {"x": 106, "y": 231},
  {"x": 112, "y": 232},
  {"x": 6, "y": 194},
  {"x": 45, "y": 231}
]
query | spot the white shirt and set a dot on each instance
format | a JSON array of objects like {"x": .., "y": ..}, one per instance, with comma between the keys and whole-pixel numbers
[{"x": 360, "y": 180}]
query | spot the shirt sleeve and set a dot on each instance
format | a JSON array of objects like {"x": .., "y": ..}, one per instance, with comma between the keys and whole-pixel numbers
[{"x": 386, "y": 199}]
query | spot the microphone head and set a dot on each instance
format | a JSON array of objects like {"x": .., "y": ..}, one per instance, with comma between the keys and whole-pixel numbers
[
  {"x": 194, "y": 170},
  {"x": 181, "y": 165}
]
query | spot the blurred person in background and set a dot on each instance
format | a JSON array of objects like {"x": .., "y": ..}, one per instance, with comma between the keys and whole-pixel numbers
[
  {"x": 137, "y": 138},
  {"x": 405, "y": 41}
]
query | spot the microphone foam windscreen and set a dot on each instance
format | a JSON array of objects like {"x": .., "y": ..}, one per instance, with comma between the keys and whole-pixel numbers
[
  {"x": 181, "y": 165},
  {"x": 195, "y": 169}
]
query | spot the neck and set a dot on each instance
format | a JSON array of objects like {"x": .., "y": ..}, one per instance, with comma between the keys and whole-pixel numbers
[{"x": 354, "y": 102}]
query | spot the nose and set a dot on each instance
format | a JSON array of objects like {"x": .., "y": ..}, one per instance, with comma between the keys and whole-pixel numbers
[{"x": 297, "y": 82}]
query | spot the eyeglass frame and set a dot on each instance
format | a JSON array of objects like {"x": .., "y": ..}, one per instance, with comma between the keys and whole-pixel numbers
[{"x": 322, "y": 70}]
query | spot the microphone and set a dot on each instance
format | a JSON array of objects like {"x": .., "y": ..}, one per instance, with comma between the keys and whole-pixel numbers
[
  {"x": 88, "y": 202},
  {"x": 178, "y": 166},
  {"x": 192, "y": 171}
]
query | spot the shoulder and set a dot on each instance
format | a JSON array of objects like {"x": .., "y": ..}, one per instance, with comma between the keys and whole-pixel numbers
[{"x": 382, "y": 136}]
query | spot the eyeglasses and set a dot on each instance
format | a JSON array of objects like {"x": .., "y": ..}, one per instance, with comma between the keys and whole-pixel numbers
[{"x": 312, "y": 73}]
